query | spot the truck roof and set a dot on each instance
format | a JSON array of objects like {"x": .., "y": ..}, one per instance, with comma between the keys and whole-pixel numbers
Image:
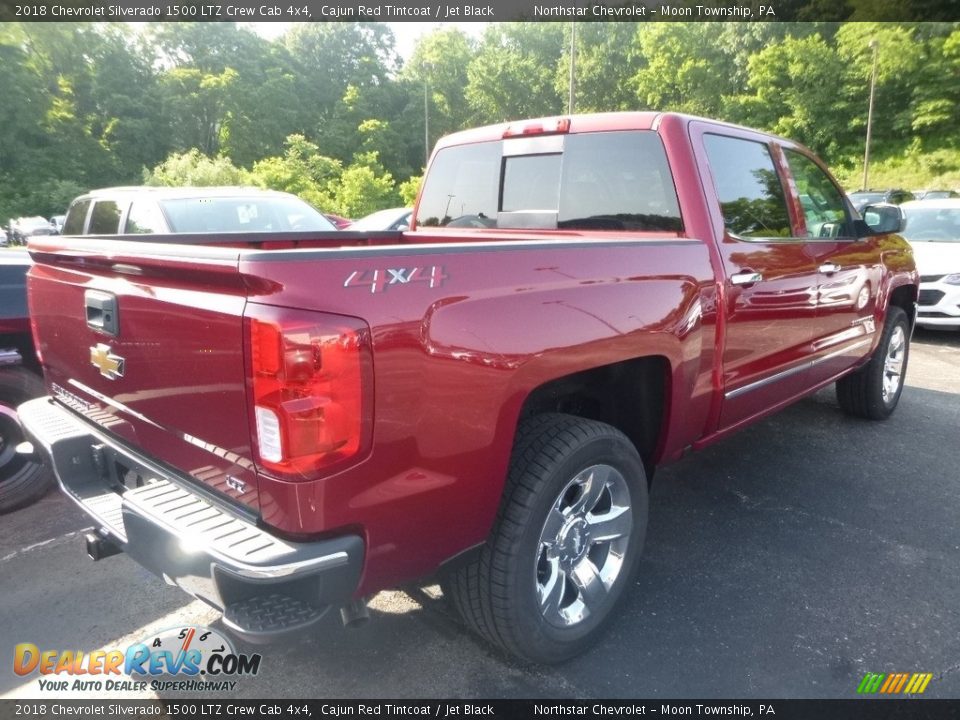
[
  {"x": 167, "y": 193},
  {"x": 592, "y": 122}
]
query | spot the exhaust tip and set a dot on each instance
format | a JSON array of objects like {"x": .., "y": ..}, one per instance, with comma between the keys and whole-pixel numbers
[{"x": 355, "y": 614}]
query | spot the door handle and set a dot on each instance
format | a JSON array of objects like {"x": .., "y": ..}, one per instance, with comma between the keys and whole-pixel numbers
[
  {"x": 829, "y": 268},
  {"x": 102, "y": 312},
  {"x": 746, "y": 278}
]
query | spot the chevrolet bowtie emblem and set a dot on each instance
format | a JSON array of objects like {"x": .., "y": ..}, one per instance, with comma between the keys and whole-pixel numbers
[{"x": 109, "y": 365}]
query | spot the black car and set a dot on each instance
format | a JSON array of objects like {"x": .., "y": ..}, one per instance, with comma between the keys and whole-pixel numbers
[{"x": 862, "y": 198}]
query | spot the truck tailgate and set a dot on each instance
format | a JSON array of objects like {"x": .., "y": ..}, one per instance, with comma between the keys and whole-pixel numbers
[{"x": 149, "y": 345}]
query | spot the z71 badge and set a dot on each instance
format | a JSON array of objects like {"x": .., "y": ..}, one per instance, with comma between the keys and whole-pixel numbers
[{"x": 380, "y": 280}]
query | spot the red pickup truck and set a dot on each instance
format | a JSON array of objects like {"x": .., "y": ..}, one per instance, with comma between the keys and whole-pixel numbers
[{"x": 286, "y": 423}]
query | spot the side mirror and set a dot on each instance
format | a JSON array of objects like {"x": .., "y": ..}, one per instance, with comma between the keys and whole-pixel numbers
[
  {"x": 883, "y": 218},
  {"x": 403, "y": 228}
]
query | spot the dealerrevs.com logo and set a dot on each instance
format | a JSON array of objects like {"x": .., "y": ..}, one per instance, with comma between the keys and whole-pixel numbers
[{"x": 187, "y": 658}]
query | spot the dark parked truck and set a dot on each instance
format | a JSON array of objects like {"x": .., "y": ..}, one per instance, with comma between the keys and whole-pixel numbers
[
  {"x": 286, "y": 423},
  {"x": 23, "y": 475}
]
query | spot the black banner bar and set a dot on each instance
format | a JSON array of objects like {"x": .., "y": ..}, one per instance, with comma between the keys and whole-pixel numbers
[
  {"x": 476, "y": 10},
  {"x": 209, "y": 709}
]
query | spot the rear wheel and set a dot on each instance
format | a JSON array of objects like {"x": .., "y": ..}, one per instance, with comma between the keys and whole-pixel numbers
[
  {"x": 565, "y": 545},
  {"x": 23, "y": 478},
  {"x": 874, "y": 390}
]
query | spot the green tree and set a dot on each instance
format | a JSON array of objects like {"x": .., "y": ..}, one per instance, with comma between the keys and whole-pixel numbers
[
  {"x": 900, "y": 61},
  {"x": 438, "y": 66},
  {"x": 796, "y": 89},
  {"x": 302, "y": 170},
  {"x": 513, "y": 73},
  {"x": 409, "y": 189},
  {"x": 684, "y": 70},
  {"x": 936, "y": 100},
  {"x": 608, "y": 56},
  {"x": 364, "y": 187},
  {"x": 193, "y": 168}
]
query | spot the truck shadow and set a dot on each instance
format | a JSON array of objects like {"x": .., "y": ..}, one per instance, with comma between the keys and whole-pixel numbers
[
  {"x": 946, "y": 338},
  {"x": 779, "y": 563}
]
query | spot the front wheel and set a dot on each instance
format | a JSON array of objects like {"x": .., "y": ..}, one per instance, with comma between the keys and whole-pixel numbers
[
  {"x": 873, "y": 391},
  {"x": 566, "y": 543}
]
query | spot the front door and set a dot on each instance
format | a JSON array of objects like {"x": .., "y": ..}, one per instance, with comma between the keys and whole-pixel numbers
[{"x": 850, "y": 271}]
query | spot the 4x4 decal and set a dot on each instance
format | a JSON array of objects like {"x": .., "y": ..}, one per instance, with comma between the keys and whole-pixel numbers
[{"x": 379, "y": 280}]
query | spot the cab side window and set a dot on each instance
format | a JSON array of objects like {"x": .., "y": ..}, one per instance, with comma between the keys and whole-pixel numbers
[
  {"x": 76, "y": 217},
  {"x": 823, "y": 207},
  {"x": 748, "y": 187},
  {"x": 145, "y": 218},
  {"x": 105, "y": 218}
]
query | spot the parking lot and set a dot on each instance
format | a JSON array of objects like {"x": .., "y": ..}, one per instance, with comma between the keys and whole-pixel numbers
[{"x": 787, "y": 561}]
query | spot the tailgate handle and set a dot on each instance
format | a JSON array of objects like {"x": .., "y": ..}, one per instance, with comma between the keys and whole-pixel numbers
[{"x": 102, "y": 313}]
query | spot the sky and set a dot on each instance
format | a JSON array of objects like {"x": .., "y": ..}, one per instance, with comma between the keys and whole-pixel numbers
[{"x": 406, "y": 33}]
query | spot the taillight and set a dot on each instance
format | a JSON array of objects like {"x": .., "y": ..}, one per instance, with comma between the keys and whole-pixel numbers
[{"x": 311, "y": 386}]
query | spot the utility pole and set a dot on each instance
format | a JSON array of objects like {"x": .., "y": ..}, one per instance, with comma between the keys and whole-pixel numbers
[
  {"x": 874, "y": 45},
  {"x": 573, "y": 64},
  {"x": 426, "y": 120}
]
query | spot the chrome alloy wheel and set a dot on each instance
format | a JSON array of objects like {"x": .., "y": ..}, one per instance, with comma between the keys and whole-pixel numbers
[
  {"x": 583, "y": 545},
  {"x": 893, "y": 364}
]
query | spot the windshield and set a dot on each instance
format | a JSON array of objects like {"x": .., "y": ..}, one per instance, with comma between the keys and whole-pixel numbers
[
  {"x": 932, "y": 224},
  {"x": 243, "y": 214},
  {"x": 381, "y": 220},
  {"x": 865, "y": 197}
]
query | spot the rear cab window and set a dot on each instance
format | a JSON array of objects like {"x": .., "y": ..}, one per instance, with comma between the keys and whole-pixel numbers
[
  {"x": 617, "y": 181},
  {"x": 105, "y": 218}
]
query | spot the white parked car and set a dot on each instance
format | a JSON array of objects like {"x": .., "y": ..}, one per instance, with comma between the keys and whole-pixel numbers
[{"x": 933, "y": 229}]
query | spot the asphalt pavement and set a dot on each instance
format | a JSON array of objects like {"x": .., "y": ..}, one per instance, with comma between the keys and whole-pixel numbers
[{"x": 786, "y": 561}]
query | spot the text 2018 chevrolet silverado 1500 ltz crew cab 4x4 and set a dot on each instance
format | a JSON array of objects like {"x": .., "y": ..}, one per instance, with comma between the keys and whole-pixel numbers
[{"x": 284, "y": 423}]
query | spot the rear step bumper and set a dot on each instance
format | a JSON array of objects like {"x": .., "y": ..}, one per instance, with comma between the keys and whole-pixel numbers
[{"x": 265, "y": 586}]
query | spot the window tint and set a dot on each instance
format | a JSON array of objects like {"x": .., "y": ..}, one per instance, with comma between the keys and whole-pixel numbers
[
  {"x": 145, "y": 218},
  {"x": 749, "y": 189},
  {"x": 105, "y": 219},
  {"x": 601, "y": 181},
  {"x": 76, "y": 216},
  {"x": 617, "y": 181},
  {"x": 462, "y": 186},
  {"x": 823, "y": 208},
  {"x": 531, "y": 182}
]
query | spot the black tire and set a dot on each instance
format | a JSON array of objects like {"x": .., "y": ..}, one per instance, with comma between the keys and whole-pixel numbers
[
  {"x": 868, "y": 392},
  {"x": 555, "y": 462},
  {"x": 23, "y": 478}
]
